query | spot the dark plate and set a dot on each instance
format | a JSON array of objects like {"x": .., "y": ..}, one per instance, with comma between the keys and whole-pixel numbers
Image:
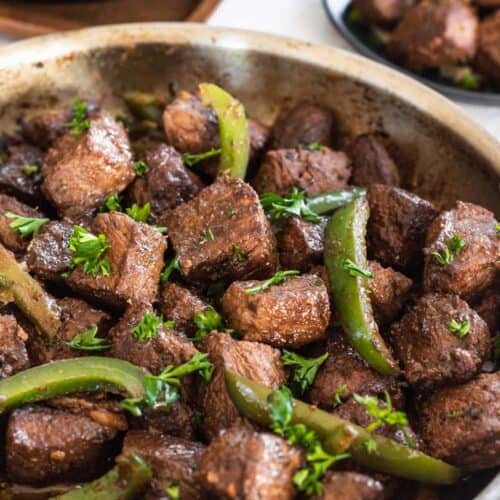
[{"x": 336, "y": 10}]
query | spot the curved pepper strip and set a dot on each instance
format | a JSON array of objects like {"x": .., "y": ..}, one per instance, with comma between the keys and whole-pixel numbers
[
  {"x": 233, "y": 129},
  {"x": 90, "y": 373},
  {"x": 325, "y": 203},
  {"x": 390, "y": 457},
  {"x": 124, "y": 482},
  {"x": 345, "y": 239},
  {"x": 28, "y": 294}
]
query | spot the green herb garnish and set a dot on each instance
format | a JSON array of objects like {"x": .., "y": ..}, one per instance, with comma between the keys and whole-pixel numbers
[
  {"x": 456, "y": 244},
  {"x": 237, "y": 254},
  {"x": 173, "y": 491},
  {"x": 207, "y": 235},
  {"x": 294, "y": 203},
  {"x": 88, "y": 250},
  {"x": 304, "y": 371},
  {"x": 313, "y": 146},
  {"x": 230, "y": 212},
  {"x": 354, "y": 270},
  {"x": 147, "y": 328},
  {"x": 337, "y": 396},
  {"x": 139, "y": 213},
  {"x": 459, "y": 328},
  {"x": 453, "y": 247},
  {"x": 354, "y": 16},
  {"x": 173, "y": 265},
  {"x": 112, "y": 203},
  {"x": 470, "y": 81},
  {"x": 26, "y": 226},
  {"x": 206, "y": 321},
  {"x": 140, "y": 168},
  {"x": 87, "y": 341},
  {"x": 30, "y": 170},
  {"x": 454, "y": 414},
  {"x": 79, "y": 122},
  {"x": 191, "y": 159},
  {"x": 277, "y": 279}
]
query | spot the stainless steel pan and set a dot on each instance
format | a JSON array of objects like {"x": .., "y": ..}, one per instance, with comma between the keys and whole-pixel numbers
[{"x": 443, "y": 154}]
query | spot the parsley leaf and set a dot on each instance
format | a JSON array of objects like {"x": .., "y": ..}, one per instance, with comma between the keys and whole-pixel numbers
[
  {"x": 453, "y": 247},
  {"x": 237, "y": 254},
  {"x": 169, "y": 269},
  {"x": 294, "y": 203},
  {"x": 277, "y": 279},
  {"x": 207, "y": 235},
  {"x": 112, "y": 203},
  {"x": 172, "y": 490},
  {"x": 26, "y": 226},
  {"x": 191, "y": 159},
  {"x": 140, "y": 168},
  {"x": 456, "y": 243},
  {"x": 88, "y": 249},
  {"x": 30, "y": 170},
  {"x": 79, "y": 122},
  {"x": 354, "y": 270},
  {"x": 459, "y": 328},
  {"x": 454, "y": 414},
  {"x": 87, "y": 341},
  {"x": 206, "y": 321},
  {"x": 337, "y": 397},
  {"x": 312, "y": 146},
  {"x": 354, "y": 16},
  {"x": 148, "y": 327},
  {"x": 304, "y": 371},
  {"x": 139, "y": 213}
]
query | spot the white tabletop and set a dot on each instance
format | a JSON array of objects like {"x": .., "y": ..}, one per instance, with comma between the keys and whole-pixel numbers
[{"x": 306, "y": 20}]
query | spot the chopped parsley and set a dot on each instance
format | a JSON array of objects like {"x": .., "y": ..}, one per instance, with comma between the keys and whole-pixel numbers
[
  {"x": 173, "y": 491},
  {"x": 30, "y": 170},
  {"x": 79, "y": 122},
  {"x": 304, "y": 370},
  {"x": 354, "y": 270},
  {"x": 456, "y": 243},
  {"x": 206, "y": 321},
  {"x": 354, "y": 16},
  {"x": 26, "y": 226},
  {"x": 192, "y": 159},
  {"x": 147, "y": 328},
  {"x": 337, "y": 396},
  {"x": 459, "y": 328},
  {"x": 229, "y": 212},
  {"x": 88, "y": 250},
  {"x": 470, "y": 81},
  {"x": 294, "y": 203},
  {"x": 170, "y": 323},
  {"x": 453, "y": 247},
  {"x": 277, "y": 279},
  {"x": 169, "y": 269},
  {"x": 140, "y": 168},
  {"x": 207, "y": 235},
  {"x": 454, "y": 414},
  {"x": 497, "y": 227},
  {"x": 162, "y": 390},
  {"x": 237, "y": 254},
  {"x": 312, "y": 146},
  {"x": 318, "y": 461},
  {"x": 87, "y": 341},
  {"x": 112, "y": 203},
  {"x": 139, "y": 213}
]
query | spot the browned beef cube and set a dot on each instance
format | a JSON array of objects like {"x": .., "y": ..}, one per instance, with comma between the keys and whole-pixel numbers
[
  {"x": 171, "y": 460},
  {"x": 461, "y": 425},
  {"x": 302, "y": 125},
  {"x": 48, "y": 253},
  {"x": 46, "y": 445},
  {"x": 350, "y": 486},
  {"x": 371, "y": 162},
  {"x": 180, "y": 304},
  {"x": 190, "y": 126},
  {"x": 8, "y": 236},
  {"x": 81, "y": 171},
  {"x": 397, "y": 226},
  {"x": 167, "y": 182},
  {"x": 382, "y": 12},
  {"x": 488, "y": 50},
  {"x": 314, "y": 172},
  {"x": 489, "y": 309},
  {"x": 21, "y": 174},
  {"x": 77, "y": 317},
  {"x": 344, "y": 373},
  {"x": 474, "y": 267},
  {"x": 258, "y": 135},
  {"x": 432, "y": 347},
  {"x": 167, "y": 348},
  {"x": 13, "y": 354},
  {"x": 256, "y": 361},
  {"x": 290, "y": 315},
  {"x": 300, "y": 243},
  {"x": 434, "y": 33},
  {"x": 44, "y": 128},
  {"x": 242, "y": 463},
  {"x": 389, "y": 291},
  {"x": 222, "y": 233},
  {"x": 135, "y": 254}
]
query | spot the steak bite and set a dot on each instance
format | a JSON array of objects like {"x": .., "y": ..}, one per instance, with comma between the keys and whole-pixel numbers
[
  {"x": 314, "y": 172},
  {"x": 488, "y": 50},
  {"x": 371, "y": 162},
  {"x": 440, "y": 341},
  {"x": 167, "y": 182},
  {"x": 81, "y": 171},
  {"x": 135, "y": 254},
  {"x": 300, "y": 243},
  {"x": 389, "y": 290},
  {"x": 435, "y": 33},
  {"x": 344, "y": 373},
  {"x": 171, "y": 459},
  {"x": 258, "y": 362},
  {"x": 44, "y": 128},
  {"x": 20, "y": 175},
  {"x": 222, "y": 233},
  {"x": 180, "y": 304},
  {"x": 163, "y": 347},
  {"x": 48, "y": 254},
  {"x": 242, "y": 463},
  {"x": 9, "y": 237},
  {"x": 302, "y": 125},
  {"x": 289, "y": 315},
  {"x": 46, "y": 445},
  {"x": 350, "y": 486},
  {"x": 382, "y": 12},
  {"x": 461, "y": 425},
  {"x": 13, "y": 354},
  {"x": 467, "y": 235},
  {"x": 397, "y": 226}
]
